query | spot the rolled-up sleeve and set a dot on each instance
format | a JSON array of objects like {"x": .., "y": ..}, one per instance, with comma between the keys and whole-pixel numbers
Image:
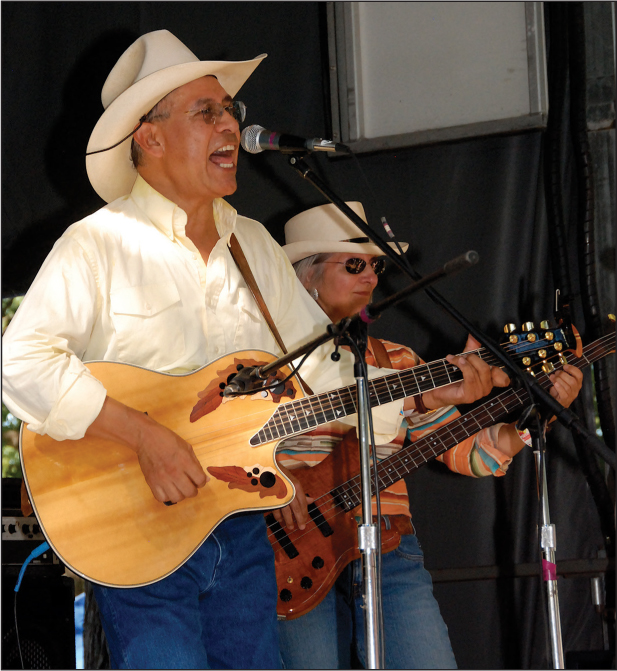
[{"x": 44, "y": 381}]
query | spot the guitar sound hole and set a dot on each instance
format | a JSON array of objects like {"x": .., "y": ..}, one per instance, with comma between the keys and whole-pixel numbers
[{"x": 267, "y": 479}]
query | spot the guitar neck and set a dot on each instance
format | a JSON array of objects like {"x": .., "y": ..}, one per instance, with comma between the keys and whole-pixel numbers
[
  {"x": 408, "y": 459},
  {"x": 313, "y": 411}
]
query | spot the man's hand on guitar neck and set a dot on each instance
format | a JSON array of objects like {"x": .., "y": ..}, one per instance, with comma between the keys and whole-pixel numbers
[
  {"x": 478, "y": 380},
  {"x": 168, "y": 462}
]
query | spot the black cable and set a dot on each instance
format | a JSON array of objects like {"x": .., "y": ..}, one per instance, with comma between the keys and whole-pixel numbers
[{"x": 17, "y": 630}]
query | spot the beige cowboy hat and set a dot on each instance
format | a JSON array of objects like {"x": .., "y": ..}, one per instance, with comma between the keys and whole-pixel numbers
[
  {"x": 153, "y": 66},
  {"x": 325, "y": 229}
]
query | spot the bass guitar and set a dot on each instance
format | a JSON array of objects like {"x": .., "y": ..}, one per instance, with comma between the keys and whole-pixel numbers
[{"x": 309, "y": 561}]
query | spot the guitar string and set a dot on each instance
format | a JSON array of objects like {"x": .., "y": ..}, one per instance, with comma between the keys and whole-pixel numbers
[
  {"x": 418, "y": 453},
  {"x": 346, "y": 403},
  {"x": 589, "y": 356},
  {"x": 423, "y": 451},
  {"x": 379, "y": 384}
]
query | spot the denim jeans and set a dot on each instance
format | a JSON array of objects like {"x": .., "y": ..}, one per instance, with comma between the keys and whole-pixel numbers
[
  {"x": 218, "y": 610},
  {"x": 415, "y": 635}
]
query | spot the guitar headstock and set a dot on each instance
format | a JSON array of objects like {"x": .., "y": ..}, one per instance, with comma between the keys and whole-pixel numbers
[{"x": 537, "y": 346}]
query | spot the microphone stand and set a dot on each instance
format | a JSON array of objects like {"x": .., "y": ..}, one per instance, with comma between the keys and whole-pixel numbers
[
  {"x": 534, "y": 390},
  {"x": 354, "y": 330},
  {"x": 532, "y": 420}
]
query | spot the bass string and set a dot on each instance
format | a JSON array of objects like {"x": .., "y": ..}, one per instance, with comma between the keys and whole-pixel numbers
[{"x": 512, "y": 398}]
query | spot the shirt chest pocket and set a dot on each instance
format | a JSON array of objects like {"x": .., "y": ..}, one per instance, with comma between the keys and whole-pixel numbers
[
  {"x": 252, "y": 330},
  {"x": 148, "y": 324}
]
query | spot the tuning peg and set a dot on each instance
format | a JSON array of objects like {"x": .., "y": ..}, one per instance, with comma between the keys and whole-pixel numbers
[
  {"x": 531, "y": 372},
  {"x": 542, "y": 353},
  {"x": 611, "y": 318},
  {"x": 528, "y": 326},
  {"x": 549, "y": 335},
  {"x": 544, "y": 325},
  {"x": 526, "y": 361},
  {"x": 558, "y": 346},
  {"x": 509, "y": 328},
  {"x": 531, "y": 337},
  {"x": 548, "y": 367},
  {"x": 562, "y": 359}
]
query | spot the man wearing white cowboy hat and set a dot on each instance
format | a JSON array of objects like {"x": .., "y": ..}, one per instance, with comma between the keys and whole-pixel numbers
[
  {"x": 339, "y": 269},
  {"x": 149, "y": 280}
]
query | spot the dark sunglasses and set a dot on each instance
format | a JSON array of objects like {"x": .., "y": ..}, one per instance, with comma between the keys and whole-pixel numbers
[{"x": 356, "y": 266}]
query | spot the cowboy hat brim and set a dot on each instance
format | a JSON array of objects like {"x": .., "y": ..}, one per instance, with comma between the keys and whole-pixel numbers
[
  {"x": 296, "y": 251},
  {"x": 111, "y": 173}
]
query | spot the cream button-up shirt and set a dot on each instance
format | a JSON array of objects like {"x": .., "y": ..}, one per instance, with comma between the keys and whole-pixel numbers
[{"x": 125, "y": 284}]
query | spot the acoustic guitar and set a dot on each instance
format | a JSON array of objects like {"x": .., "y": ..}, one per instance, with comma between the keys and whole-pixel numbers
[{"x": 92, "y": 501}]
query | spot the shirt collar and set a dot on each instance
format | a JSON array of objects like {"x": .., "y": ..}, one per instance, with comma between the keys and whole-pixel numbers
[{"x": 171, "y": 219}]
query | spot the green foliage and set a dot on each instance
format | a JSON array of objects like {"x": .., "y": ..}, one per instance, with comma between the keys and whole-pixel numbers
[
  {"x": 9, "y": 306},
  {"x": 11, "y": 468}
]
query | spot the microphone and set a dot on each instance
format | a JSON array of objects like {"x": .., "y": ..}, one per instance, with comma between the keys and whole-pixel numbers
[
  {"x": 256, "y": 139},
  {"x": 244, "y": 382}
]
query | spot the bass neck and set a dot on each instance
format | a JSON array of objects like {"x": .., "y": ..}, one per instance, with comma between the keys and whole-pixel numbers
[{"x": 410, "y": 458}]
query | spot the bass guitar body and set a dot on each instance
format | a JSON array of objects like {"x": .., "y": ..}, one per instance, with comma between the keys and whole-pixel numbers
[
  {"x": 92, "y": 500},
  {"x": 309, "y": 561}
]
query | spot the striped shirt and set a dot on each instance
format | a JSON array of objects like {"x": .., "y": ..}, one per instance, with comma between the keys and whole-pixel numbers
[{"x": 477, "y": 456}]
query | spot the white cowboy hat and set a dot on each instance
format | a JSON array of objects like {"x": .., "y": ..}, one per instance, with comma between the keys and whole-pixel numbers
[
  {"x": 153, "y": 66},
  {"x": 325, "y": 229}
]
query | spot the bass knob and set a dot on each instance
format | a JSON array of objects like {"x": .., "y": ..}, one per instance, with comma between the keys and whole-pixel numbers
[
  {"x": 285, "y": 595},
  {"x": 306, "y": 583},
  {"x": 318, "y": 562}
]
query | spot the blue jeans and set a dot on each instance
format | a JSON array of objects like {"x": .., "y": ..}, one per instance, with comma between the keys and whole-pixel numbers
[
  {"x": 218, "y": 610},
  {"x": 416, "y": 637}
]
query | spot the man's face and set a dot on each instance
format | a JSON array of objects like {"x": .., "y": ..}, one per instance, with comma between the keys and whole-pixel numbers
[{"x": 199, "y": 159}]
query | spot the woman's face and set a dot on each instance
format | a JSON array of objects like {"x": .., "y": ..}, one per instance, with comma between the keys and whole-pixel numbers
[{"x": 341, "y": 293}]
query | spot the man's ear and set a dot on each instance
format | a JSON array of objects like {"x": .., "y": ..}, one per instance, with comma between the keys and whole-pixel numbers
[{"x": 147, "y": 137}]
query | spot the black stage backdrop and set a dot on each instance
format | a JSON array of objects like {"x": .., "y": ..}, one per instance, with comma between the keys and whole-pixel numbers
[{"x": 485, "y": 194}]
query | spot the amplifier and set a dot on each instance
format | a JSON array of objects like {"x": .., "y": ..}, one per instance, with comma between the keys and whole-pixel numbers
[{"x": 21, "y": 535}]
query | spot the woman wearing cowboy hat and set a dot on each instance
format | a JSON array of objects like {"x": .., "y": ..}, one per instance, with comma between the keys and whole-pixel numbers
[{"x": 340, "y": 268}]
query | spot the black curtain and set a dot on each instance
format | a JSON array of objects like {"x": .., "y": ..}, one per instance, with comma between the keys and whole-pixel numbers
[{"x": 486, "y": 194}]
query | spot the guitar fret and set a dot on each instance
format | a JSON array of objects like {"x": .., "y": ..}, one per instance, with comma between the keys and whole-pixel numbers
[{"x": 328, "y": 406}]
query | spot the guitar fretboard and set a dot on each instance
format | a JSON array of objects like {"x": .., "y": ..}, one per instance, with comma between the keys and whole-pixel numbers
[
  {"x": 408, "y": 459},
  {"x": 307, "y": 413}
]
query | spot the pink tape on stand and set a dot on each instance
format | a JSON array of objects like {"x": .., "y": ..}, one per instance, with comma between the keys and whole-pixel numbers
[{"x": 549, "y": 570}]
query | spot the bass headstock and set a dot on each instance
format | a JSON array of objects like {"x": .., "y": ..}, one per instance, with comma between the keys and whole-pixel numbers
[{"x": 537, "y": 346}]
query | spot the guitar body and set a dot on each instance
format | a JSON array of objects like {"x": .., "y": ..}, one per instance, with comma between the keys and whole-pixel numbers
[
  {"x": 304, "y": 580},
  {"x": 91, "y": 498}
]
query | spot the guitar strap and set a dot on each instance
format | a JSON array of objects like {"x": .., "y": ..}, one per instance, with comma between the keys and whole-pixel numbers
[
  {"x": 381, "y": 354},
  {"x": 245, "y": 270}
]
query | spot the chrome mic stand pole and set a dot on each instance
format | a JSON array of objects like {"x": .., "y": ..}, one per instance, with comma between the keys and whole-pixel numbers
[
  {"x": 368, "y": 538},
  {"x": 548, "y": 543}
]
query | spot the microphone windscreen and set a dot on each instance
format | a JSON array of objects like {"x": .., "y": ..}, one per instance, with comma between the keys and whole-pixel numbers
[{"x": 249, "y": 139}]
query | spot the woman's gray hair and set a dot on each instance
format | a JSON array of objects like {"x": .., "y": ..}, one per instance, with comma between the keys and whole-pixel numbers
[{"x": 303, "y": 268}]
